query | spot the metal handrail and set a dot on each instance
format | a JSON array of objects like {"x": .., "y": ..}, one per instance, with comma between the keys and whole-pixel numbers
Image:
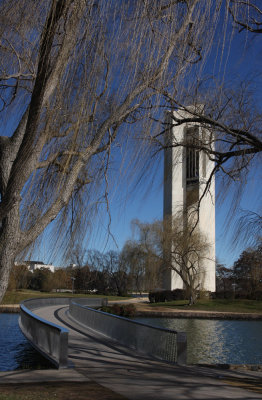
[
  {"x": 164, "y": 343},
  {"x": 48, "y": 338}
]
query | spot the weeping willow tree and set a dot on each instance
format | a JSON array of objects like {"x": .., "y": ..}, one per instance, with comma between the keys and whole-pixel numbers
[
  {"x": 169, "y": 245},
  {"x": 81, "y": 80}
]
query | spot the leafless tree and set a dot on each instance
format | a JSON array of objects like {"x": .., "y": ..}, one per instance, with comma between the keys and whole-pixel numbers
[
  {"x": 74, "y": 76},
  {"x": 143, "y": 269},
  {"x": 249, "y": 228},
  {"x": 176, "y": 247},
  {"x": 185, "y": 252},
  {"x": 247, "y": 15}
]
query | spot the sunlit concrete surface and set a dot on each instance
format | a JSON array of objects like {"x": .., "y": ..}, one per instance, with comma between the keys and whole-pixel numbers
[{"x": 185, "y": 179}]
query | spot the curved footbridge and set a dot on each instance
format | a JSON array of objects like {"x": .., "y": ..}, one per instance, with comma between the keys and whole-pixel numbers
[
  {"x": 73, "y": 334},
  {"x": 52, "y": 326}
]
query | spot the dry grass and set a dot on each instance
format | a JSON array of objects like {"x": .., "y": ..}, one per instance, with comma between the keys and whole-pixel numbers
[
  {"x": 221, "y": 305},
  {"x": 57, "y": 391},
  {"x": 15, "y": 297}
]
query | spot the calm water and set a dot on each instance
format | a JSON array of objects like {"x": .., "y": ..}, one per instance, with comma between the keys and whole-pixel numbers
[
  {"x": 217, "y": 341},
  {"x": 209, "y": 341},
  {"x": 15, "y": 350}
]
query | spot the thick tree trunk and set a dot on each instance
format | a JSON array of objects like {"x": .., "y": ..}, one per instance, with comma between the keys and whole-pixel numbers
[
  {"x": 192, "y": 298},
  {"x": 9, "y": 239}
]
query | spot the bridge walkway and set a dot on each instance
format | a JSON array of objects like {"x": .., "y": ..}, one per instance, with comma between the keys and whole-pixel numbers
[{"x": 141, "y": 378}]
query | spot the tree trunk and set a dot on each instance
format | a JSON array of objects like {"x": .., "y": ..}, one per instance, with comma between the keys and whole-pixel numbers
[{"x": 9, "y": 239}]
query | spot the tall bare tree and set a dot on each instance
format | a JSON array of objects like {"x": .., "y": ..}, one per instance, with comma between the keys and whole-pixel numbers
[
  {"x": 185, "y": 251},
  {"x": 176, "y": 247},
  {"x": 143, "y": 269}
]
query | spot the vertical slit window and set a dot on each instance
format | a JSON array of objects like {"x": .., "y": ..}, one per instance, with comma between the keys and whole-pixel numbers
[{"x": 192, "y": 156}]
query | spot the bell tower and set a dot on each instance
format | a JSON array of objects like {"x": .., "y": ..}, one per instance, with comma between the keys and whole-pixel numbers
[{"x": 186, "y": 171}]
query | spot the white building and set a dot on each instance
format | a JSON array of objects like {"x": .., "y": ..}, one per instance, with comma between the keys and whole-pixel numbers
[
  {"x": 186, "y": 171},
  {"x": 34, "y": 265}
]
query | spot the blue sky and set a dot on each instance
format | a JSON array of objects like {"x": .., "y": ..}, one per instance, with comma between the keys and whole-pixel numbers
[
  {"x": 244, "y": 61},
  {"x": 147, "y": 205}
]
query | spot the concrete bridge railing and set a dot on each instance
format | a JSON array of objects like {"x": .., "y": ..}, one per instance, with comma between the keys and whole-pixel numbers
[
  {"x": 49, "y": 339},
  {"x": 161, "y": 343}
]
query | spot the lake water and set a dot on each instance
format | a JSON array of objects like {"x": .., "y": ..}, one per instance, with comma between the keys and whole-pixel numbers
[
  {"x": 217, "y": 341},
  {"x": 209, "y": 341},
  {"x": 15, "y": 350}
]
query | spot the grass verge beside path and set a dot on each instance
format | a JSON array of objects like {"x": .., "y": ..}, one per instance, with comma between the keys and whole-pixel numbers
[
  {"x": 221, "y": 305},
  {"x": 15, "y": 297},
  {"x": 57, "y": 391}
]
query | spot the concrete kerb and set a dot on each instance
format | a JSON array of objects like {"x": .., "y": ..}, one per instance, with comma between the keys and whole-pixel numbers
[{"x": 47, "y": 375}]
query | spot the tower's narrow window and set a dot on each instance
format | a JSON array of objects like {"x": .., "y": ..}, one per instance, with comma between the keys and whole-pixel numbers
[{"x": 192, "y": 155}]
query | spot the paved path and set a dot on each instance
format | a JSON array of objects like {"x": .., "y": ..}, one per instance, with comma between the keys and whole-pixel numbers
[{"x": 137, "y": 377}]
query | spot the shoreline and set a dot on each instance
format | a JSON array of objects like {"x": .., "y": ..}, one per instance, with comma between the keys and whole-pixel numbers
[
  {"x": 9, "y": 308},
  {"x": 143, "y": 310},
  {"x": 200, "y": 315}
]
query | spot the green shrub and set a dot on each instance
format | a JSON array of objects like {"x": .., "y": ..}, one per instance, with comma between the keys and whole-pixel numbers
[
  {"x": 128, "y": 310},
  {"x": 123, "y": 310},
  {"x": 116, "y": 309}
]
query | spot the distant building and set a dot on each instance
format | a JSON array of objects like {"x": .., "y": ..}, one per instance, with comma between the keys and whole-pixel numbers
[
  {"x": 186, "y": 171},
  {"x": 34, "y": 265}
]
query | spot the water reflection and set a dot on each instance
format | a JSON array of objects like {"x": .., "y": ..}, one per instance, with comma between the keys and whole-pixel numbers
[
  {"x": 15, "y": 350},
  {"x": 218, "y": 341}
]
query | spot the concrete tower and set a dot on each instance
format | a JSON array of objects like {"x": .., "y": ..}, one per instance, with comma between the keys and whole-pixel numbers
[{"x": 186, "y": 171}]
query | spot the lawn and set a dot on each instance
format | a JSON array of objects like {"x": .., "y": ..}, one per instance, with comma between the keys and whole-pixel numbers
[
  {"x": 223, "y": 305},
  {"x": 57, "y": 391},
  {"x": 15, "y": 297}
]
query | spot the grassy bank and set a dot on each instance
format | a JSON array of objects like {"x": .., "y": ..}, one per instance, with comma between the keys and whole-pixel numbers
[
  {"x": 223, "y": 305},
  {"x": 15, "y": 297},
  {"x": 57, "y": 391}
]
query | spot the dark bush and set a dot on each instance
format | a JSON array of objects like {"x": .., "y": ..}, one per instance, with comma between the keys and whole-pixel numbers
[
  {"x": 116, "y": 309},
  {"x": 123, "y": 310},
  {"x": 151, "y": 297},
  {"x": 258, "y": 295},
  {"x": 240, "y": 295},
  {"x": 229, "y": 295},
  {"x": 159, "y": 296},
  {"x": 162, "y": 296},
  {"x": 128, "y": 310},
  {"x": 106, "y": 309},
  {"x": 179, "y": 294},
  {"x": 225, "y": 294}
]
